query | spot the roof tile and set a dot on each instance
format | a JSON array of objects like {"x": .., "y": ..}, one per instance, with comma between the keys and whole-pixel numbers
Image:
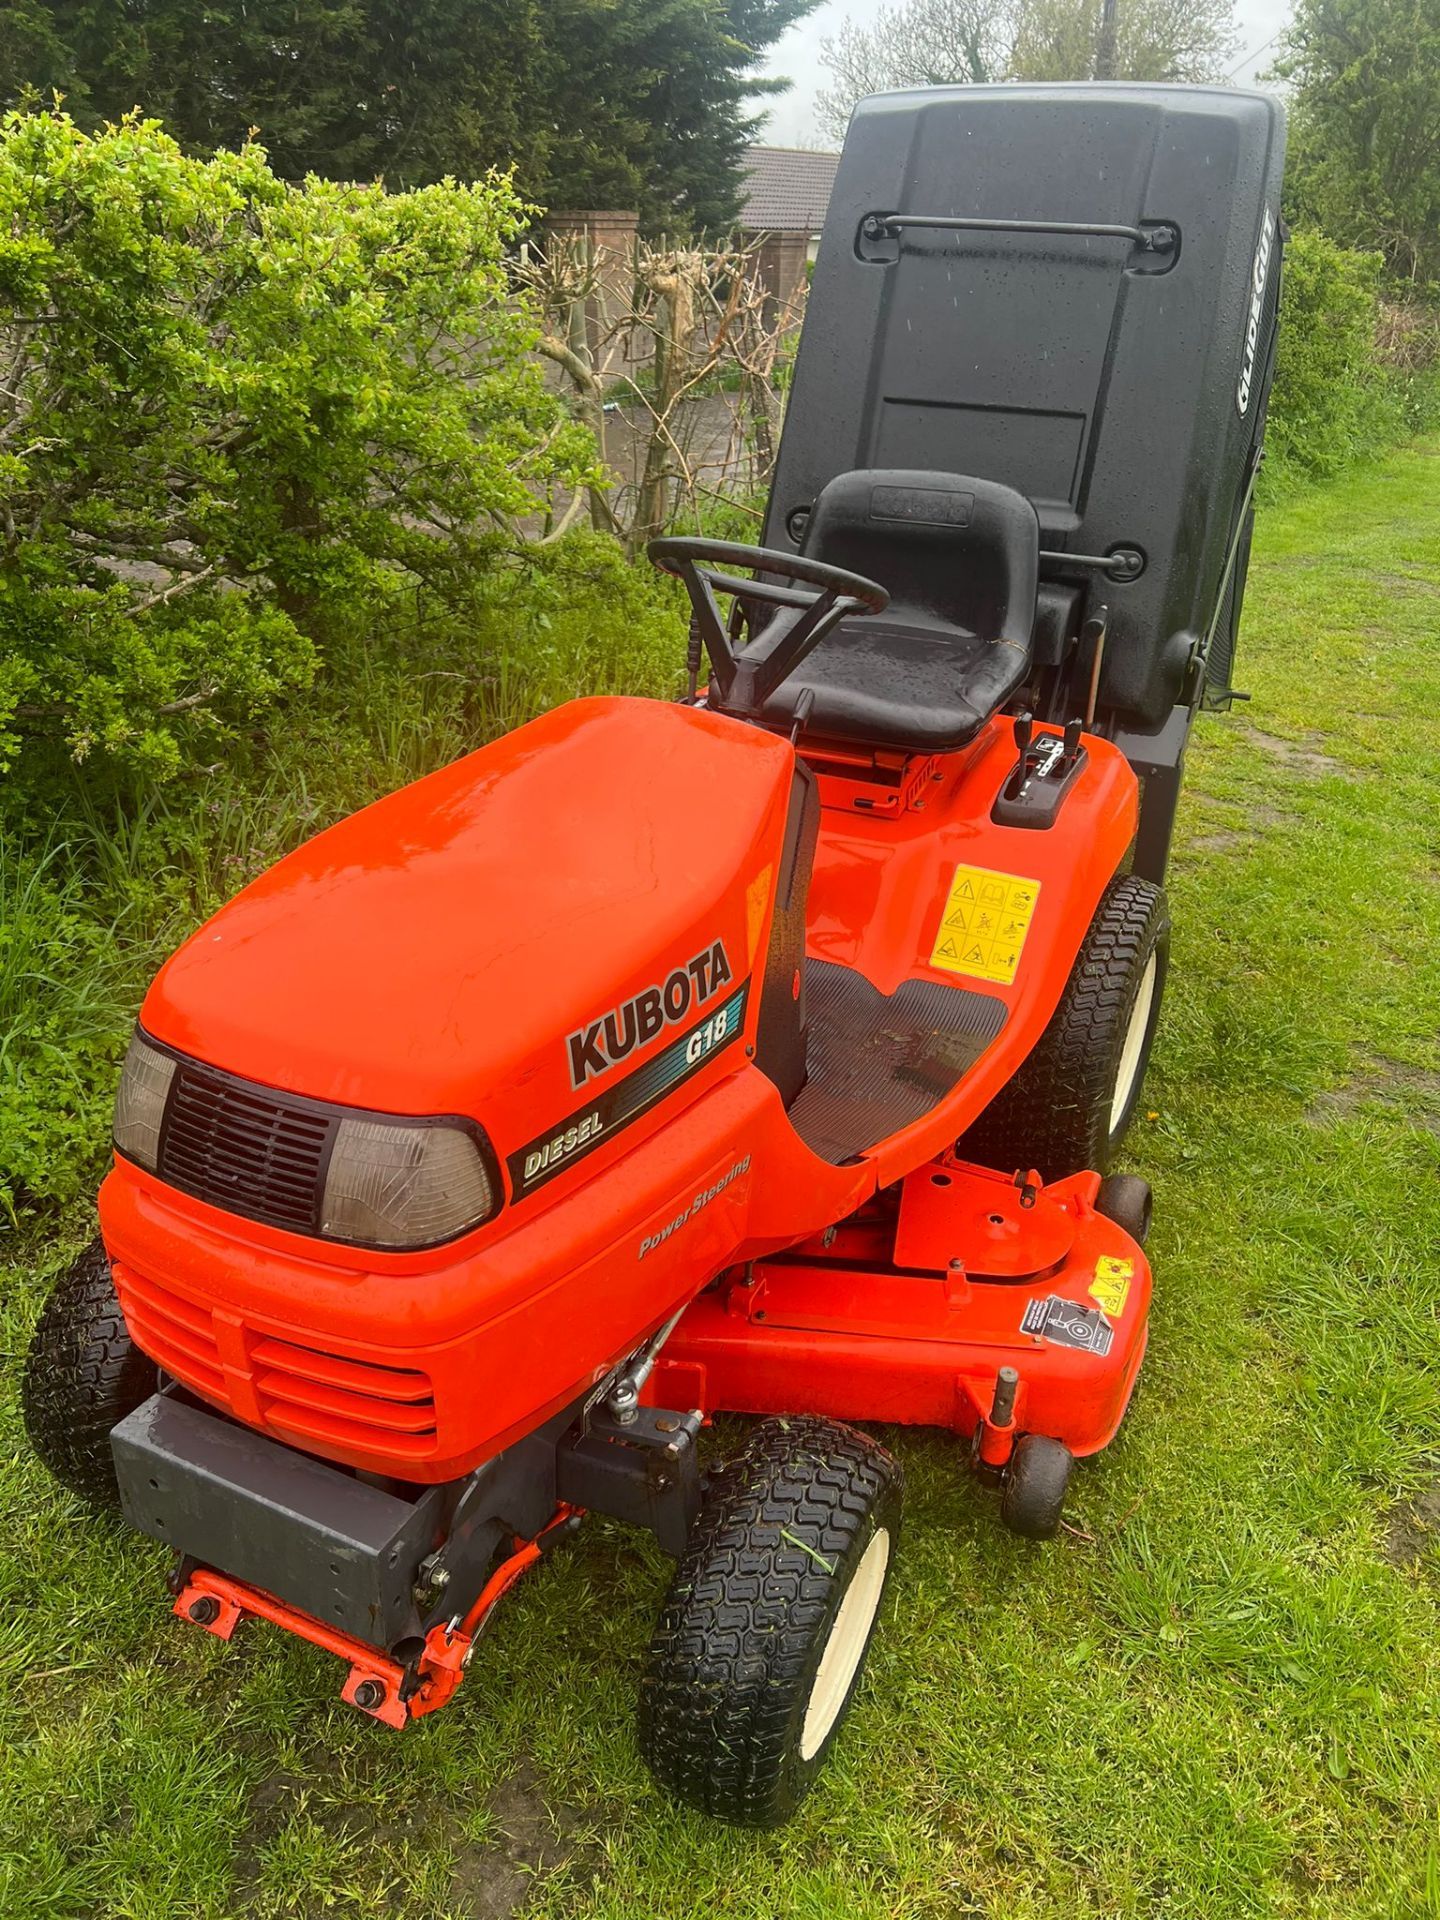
[{"x": 787, "y": 189}]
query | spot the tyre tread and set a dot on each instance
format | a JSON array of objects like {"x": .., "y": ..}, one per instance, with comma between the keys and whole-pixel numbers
[
  {"x": 1054, "y": 1114},
  {"x": 82, "y": 1374},
  {"x": 735, "y": 1640}
]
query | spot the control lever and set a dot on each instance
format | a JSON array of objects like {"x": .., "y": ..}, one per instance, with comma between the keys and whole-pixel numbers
[
  {"x": 1093, "y": 636},
  {"x": 1042, "y": 774},
  {"x": 694, "y": 660},
  {"x": 1024, "y": 736}
]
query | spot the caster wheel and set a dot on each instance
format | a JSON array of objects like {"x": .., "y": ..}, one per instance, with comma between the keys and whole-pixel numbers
[
  {"x": 1127, "y": 1200},
  {"x": 762, "y": 1638},
  {"x": 83, "y": 1373},
  {"x": 1033, "y": 1496}
]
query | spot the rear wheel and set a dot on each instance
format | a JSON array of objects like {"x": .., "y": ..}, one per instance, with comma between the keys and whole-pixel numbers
[
  {"x": 1068, "y": 1107},
  {"x": 83, "y": 1373},
  {"x": 762, "y": 1638}
]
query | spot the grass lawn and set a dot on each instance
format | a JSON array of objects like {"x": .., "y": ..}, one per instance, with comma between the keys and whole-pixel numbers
[{"x": 1218, "y": 1694}]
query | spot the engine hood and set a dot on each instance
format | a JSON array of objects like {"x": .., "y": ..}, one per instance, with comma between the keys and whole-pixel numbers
[{"x": 440, "y": 951}]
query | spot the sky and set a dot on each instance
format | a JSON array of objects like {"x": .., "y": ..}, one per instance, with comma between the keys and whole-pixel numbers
[{"x": 792, "y": 119}]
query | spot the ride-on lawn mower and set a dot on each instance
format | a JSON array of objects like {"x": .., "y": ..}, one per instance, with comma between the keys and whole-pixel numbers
[{"x": 763, "y": 1052}]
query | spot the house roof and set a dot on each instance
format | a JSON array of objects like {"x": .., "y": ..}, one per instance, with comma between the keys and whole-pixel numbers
[{"x": 787, "y": 189}]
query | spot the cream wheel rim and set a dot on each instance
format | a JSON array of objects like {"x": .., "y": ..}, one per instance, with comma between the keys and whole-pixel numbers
[
  {"x": 849, "y": 1636},
  {"x": 1135, "y": 1032}
]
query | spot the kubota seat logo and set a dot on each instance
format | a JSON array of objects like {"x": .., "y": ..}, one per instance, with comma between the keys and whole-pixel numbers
[
  {"x": 604, "y": 1042},
  {"x": 1259, "y": 275}
]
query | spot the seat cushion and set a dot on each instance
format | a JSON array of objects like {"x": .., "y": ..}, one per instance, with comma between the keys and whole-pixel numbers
[
  {"x": 915, "y": 689},
  {"x": 960, "y": 557}
]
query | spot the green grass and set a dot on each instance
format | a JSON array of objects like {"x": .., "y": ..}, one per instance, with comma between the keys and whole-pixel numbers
[{"x": 1217, "y": 1695}]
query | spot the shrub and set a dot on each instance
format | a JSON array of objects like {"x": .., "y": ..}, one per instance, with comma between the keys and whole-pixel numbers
[
  {"x": 1335, "y": 399},
  {"x": 103, "y": 871},
  {"x": 62, "y": 1029},
  {"x": 580, "y": 618},
  {"x": 231, "y": 413}
]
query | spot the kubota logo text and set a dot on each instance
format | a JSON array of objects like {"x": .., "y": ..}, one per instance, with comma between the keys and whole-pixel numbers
[
  {"x": 600, "y": 1045},
  {"x": 1259, "y": 275}
]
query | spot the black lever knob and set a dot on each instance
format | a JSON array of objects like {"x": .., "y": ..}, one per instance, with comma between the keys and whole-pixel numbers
[
  {"x": 1024, "y": 731},
  {"x": 694, "y": 659},
  {"x": 1073, "y": 730}
]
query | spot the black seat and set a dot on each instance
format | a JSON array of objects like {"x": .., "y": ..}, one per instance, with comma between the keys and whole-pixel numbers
[{"x": 960, "y": 558}]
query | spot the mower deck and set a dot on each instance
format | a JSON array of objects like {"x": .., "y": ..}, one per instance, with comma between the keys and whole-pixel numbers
[
  {"x": 909, "y": 1316},
  {"x": 986, "y": 1305},
  {"x": 912, "y": 1312}
]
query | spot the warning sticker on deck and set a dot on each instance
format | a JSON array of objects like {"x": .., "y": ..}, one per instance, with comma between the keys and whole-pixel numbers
[
  {"x": 1110, "y": 1288},
  {"x": 984, "y": 924},
  {"x": 1068, "y": 1324}
]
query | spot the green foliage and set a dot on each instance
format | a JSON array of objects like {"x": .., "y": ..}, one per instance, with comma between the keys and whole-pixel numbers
[
  {"x": 1333, "y": 401},
  {"x": 233, "y": 411},
  {"x": 1365, "y": 129},
  {"x": 64, "y": 968},
  {"x": 345, "y": 88},
  {"x": 1165, "y": 40},
  {"x": 666, "y": 133},
  {"x": 593, "y": 103},
  {"x": 1324, "y": 365},
  {"x": 103, "y": 871}
]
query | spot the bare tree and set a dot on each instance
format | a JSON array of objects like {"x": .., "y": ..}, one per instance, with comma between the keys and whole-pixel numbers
[
  {"x": 689, "y": 324},
  {"x": 1124, "y": 40},
  {"x": 927, "y": 43},
  {"x": 919, "y": 43},
  {"x": 1107, "y": 40}
]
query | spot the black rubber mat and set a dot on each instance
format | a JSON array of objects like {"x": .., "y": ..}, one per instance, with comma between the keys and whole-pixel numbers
[{"x": 876, "y": 1062}]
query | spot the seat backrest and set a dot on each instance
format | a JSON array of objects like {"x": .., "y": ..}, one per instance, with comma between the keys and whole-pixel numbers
[{"x": 955, "y": 552}]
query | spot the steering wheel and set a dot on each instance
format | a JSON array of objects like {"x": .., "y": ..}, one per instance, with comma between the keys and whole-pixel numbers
[{"x": 746, "y": 677}]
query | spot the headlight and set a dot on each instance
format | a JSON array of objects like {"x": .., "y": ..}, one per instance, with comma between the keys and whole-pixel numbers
[
  {"x": 140, "y": 1103},
  {"x": 392, "y": 1185}
]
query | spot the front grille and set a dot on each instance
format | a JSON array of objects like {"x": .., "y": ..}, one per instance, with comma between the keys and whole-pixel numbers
[
  {"x": 301, "y": 1393},
  {"x": 244, "y": 1147},
  {"x": 176, "y": 1333},
  {"x": 318, "y": 1397}
]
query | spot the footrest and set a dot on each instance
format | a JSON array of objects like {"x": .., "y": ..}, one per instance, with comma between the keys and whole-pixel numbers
[{"x": 877, "y": 1062}]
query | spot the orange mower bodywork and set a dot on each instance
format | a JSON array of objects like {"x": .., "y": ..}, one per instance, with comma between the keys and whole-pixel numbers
[
  {"x": 897, "y": 1283},
  {"x": 512, "y": 1322},
  {"x": 766, "y": 1052}
]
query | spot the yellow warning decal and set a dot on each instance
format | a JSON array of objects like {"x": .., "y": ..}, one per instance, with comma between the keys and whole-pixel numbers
[
  {"x": 1110, "y": 1288},
  {"x": 983, "y": 928}
]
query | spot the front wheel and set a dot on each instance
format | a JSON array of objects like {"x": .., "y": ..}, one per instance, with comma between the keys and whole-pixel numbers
[
  {"x": 1067, "y": 1109},
  {"x": 762, "y": 1638},
  {"x": 82, "y": 1375}
]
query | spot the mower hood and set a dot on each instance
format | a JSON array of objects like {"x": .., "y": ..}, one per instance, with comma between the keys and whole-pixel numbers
[{"x": 456, "y": 948}]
